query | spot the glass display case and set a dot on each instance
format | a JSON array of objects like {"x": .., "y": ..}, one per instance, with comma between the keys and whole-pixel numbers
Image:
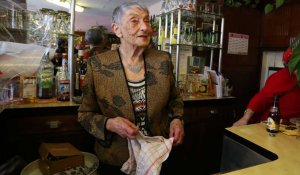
[{"x": 194, "y": 38}]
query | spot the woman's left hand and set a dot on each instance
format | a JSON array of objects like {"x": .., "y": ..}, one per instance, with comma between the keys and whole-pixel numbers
[{"x": 177, "y": 131}]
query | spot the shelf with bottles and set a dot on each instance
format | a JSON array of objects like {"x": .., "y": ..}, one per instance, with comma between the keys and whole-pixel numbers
[
  {"x": 187, "y": 33},
  {"x": 195, "y": 30}
]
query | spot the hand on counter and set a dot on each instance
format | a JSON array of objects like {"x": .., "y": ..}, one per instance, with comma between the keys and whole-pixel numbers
[{"x": 246, "y": 117}]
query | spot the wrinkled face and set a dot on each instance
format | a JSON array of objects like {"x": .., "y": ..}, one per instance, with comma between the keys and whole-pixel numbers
[{"x": 135, "y": 28}]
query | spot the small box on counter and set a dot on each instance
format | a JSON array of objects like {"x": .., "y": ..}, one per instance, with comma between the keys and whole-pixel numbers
[{"x": 57, "y": 157}]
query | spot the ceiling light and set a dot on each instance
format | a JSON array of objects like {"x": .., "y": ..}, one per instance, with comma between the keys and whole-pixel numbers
[{"x": 66, "y": 4}]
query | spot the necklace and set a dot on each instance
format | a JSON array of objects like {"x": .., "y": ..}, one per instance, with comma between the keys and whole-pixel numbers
[{"x": 135, "y": 69}]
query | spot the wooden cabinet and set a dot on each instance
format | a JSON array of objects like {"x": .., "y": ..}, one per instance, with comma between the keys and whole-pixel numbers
[
  {"x": 24, "y": 129},
  {"x": 204, "y": 123},
  {"x": 201, "y": 151},
  {"x": 281, "y": 25}
]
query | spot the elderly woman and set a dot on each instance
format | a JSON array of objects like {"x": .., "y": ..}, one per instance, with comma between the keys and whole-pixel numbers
[{"x": 130, "y": 90}]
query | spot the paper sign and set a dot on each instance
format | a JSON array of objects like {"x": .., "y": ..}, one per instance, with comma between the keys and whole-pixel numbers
[{"x": 238, "y": 44}]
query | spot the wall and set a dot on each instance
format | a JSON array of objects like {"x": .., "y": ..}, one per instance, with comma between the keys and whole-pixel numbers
[
  {"x": 155, "y": 8},
  {"x": 84, "y": 21},
  {"x": 243, "y": 70}
]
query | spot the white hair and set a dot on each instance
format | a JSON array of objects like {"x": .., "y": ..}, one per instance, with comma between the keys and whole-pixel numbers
[{"x": 121, "y": 9}]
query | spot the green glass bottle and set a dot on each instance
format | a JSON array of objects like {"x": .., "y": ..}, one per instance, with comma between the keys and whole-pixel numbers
[{"x": 45, "y": 78}]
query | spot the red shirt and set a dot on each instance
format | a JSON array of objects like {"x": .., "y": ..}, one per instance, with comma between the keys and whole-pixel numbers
[{"x": 281, "y": 82}]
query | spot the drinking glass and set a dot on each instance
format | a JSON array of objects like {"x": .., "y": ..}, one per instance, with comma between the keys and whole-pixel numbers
[{"x": 298, "y": 128}]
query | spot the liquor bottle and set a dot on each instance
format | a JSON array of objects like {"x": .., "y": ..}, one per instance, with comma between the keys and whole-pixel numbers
[
  {"x": 77, "y": 91},
  {"x": 273, "y": 121},
  {"x": 45, "y": 77},
  {"x": 63, "y": 81},
  {"x": 82, "y": 71},
  {"x": 57, "y": 59}
]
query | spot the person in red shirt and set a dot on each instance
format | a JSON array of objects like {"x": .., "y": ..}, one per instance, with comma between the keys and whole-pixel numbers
[{"x": 282, "y": 83}]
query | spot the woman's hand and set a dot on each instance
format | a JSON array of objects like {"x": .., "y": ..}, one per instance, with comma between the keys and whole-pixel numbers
[
  {"x": 246, "y": 117},
  {"x": 240, "y": 122},
  {"x": 177, "y": 131},
  {"x": 123, "y": 127}
]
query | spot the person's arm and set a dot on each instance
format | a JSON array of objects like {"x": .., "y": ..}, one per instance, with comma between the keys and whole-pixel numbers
[
  {"x": 255, "y": 108},
  {"x": 245, "y": 118},
  {"x": 89, "y": 113},
  {"x": 176, "y": 106},
  {"x": 277, "y": 83}
]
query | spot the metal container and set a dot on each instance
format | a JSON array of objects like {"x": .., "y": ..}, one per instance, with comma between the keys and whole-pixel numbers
[{"x": 91, "y": 161}]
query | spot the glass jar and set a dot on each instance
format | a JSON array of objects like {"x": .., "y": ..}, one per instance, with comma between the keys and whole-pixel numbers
[{"x": 28, "y": 88}]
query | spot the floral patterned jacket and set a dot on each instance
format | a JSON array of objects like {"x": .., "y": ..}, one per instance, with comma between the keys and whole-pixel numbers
[{"x": 106, "y": 94}]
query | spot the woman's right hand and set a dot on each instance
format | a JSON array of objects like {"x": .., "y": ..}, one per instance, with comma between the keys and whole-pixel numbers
[{"x": 123, "y": 127}]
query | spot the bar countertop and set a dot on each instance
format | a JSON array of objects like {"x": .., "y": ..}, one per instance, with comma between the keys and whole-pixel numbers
[
  {"x": 287, "y": 148},
  {"x": 41, "y": 103},
  {"x": 48, "y": 103}
]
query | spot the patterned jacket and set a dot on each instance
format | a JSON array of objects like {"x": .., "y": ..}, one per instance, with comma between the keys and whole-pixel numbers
[{"x": 106, "y": 95}]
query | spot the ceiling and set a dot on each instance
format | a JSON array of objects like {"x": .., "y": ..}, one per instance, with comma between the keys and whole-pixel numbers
[{"x": 94, "y": 7}]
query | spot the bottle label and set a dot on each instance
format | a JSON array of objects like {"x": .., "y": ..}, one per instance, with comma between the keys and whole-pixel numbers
[
  {"x": 64, "y": 88},
  {"x": 46, "y": 81},
  {"x": 271, "y": 125}
]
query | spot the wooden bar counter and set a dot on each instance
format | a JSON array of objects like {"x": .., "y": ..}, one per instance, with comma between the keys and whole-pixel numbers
[
  {"x": 23, "y": 127},
  {"x": 287, "y": 149}
]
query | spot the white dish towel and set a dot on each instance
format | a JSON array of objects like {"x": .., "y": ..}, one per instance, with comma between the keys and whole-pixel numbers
[{"x": 146, "y": 155}]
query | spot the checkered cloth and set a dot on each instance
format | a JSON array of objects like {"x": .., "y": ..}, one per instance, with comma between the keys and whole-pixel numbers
[{"x": 146, "y": 155}]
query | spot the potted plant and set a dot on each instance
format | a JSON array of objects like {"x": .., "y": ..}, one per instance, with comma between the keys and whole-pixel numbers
[
  {"x": 269, "y": 5},
  {"x": 293, "y": 54}
]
